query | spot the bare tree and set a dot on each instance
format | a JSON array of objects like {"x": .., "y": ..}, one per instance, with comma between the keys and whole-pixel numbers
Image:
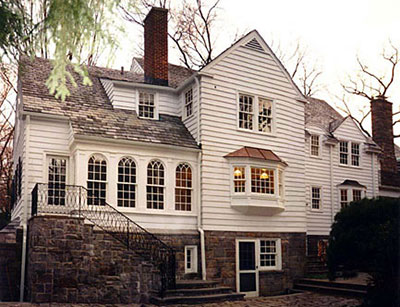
[
  {"x": 371, "y": 85},
  {"x": 303, "y": 70},
  {"x": 191, "y": 30}
]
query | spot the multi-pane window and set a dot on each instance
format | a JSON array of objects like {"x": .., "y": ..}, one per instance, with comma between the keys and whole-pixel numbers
[
  {"x": 262, "y": 180},
  {"x": 315, "y": 198},
  {"x": 146, "y": 105},
  {"x": 191, "y": 259},
  {"x": 268, "y": 253},
  {"x": 183, "y": 187},
  {"x": 155, "y": 185},
  {"x": 97, "y": 180},
  {"x": 246, "y": 109},
  {"x": 357, "y": 195},
  {"x": 126, "y": 183},
  {"x": 264, "y": 115},
  {"x": 355, "y": 154},
  {"x": 280, "y": 184},
  {"x": 57, "y": 179},
  {"x": 239, "y": 179},
  {"x": 344, "y": 152},
  {"x": 189, "y": 103},
  {"x": 314, "y": 145},
  {"x": 344, "y": 200}
]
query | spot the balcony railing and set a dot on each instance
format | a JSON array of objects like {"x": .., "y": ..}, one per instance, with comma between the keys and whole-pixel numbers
[{"x": 73, "y": 200}]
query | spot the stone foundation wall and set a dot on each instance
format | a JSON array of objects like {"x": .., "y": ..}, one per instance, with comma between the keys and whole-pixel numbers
[
  {"x": 312, "y": 244},
  {"x": 69, "y": 261},
  {"x": 221, "y": 259}
]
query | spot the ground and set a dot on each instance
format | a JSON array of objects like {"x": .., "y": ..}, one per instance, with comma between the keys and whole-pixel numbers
[{"x": 306, "y": 299}]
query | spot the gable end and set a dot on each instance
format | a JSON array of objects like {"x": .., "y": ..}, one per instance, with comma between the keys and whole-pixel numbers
[{"x": 255, "y": 45}]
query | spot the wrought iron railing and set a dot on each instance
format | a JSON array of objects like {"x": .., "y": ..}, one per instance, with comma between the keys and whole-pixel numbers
[{"x": 73, "y": 200}]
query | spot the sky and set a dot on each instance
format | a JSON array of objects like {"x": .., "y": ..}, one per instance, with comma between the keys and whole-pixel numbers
[{"x": 334, "y": 32}]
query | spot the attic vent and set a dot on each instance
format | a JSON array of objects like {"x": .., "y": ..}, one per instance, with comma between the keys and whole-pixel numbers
[{"x": 255, "y": 45}]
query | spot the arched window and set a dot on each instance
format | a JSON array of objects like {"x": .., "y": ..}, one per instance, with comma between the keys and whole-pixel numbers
[
  {"x": 97, "y": 180},
  {"x": 126, "y": 183},
  {"x": 183, "y": 187},
  {"x": 155, "y": 185}
]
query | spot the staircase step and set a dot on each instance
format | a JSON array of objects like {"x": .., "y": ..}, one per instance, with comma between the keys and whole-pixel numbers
[
  {"x": 196, "y": 299},
  {"x": 330, "y": 290},
  {"x": 327, "y": 283},
  {"x": 195, "y": 284},
  {"x": 198, "y": 291}
]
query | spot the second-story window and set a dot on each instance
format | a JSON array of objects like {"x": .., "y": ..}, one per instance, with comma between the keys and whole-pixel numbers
[
  {"x": 255, "y": 113},
  {"x": 315, "y": 198},
  {"x": 355, "y": 154},
  {"x": 349, "y": 153},
  {"x": 57, "y": 179},
  {"x": 126, "y": 183},
  {"x": 189, "y": 103},
  {"x": 264, "y": 115},
  {"x": 344, "y": 152},
  {"x": 315, "y": 150},
  {"x": 246, "y": 110},
  {"x": 97, "y": 180},
  {"x": 155, "y": 185},
  {"x": 183, "y": 187},
  {"x": 147, "y": 106}
]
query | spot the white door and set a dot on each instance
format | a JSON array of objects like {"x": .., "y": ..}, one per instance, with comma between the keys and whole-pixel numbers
[{"x": 246, "y": 267}]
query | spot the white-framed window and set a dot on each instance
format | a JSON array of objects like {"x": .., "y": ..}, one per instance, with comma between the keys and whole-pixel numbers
[
  {"x": 357, "y": 194},
  {"x": 191, "y": 263},
  {"x": 344, "y": 198},
  {"x": 239, "y": 179},
  {"x": 316, "y": 198},
  {"x": 315, "y": 145},
  {"x": 281, "y": 185},
  {"x": 262, "y": 180},
  {"x": 349, "y": 153},
  {"x": 146, "y": 105},
  {"x": 97, "y": 180},
  {"x": 183, "y": 187},
  {"x": 155, "y": 185},
  {"x": 189, "y": 103},
  {"x": 270, "y": 255},
  {"x": 126, "y": 186},
  {"x": 57, "y": 180},
  {"x": 355, "y": 154},
  {"x": 255, "y": 113}
]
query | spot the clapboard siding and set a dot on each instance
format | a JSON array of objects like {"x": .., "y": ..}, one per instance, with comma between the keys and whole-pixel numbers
[
  {"x": 247, "y": 71},
  {"x": 318, "y": 175}
]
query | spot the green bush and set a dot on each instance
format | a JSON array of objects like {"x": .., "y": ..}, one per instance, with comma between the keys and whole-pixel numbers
[{"x": 365, "y": 237}]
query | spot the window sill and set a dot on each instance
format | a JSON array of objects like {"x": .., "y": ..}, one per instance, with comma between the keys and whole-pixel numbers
[
  {"x": 272, "y": 134},
  {"x": 188, "y": 117},
  {"x": 349, "y": 166},
  {"x": 156, "y": 212},
  {"x": 315, "y": 157},
  {"x": 274, "y": 270},
  {"x": 316, "y": 210}
]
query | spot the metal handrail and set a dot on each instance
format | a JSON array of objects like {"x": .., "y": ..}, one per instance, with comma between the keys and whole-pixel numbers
[{"x": 73, "y": 200}]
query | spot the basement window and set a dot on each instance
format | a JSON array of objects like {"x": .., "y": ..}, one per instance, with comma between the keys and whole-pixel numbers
[{"x": 190, "y": 259}]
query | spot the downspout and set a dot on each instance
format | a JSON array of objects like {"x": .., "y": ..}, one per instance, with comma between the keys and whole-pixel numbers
[
  {"x": 25, "y": 216},
  {"x": 373, "y": 176},
  {"x": 199, "y": 193},
  {"x": 331, "y": 180}
]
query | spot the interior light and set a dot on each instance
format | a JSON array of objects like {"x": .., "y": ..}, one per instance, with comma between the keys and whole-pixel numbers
[
  {"x": 237, "y": 172},
  {"x": 264, "y": 174}
]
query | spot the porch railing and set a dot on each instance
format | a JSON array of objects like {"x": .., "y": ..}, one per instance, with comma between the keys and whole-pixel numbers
[{"x": 73, "y": 200}]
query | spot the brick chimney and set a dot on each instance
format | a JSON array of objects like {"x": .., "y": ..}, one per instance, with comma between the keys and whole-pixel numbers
[
  {"x": 156, "y": 47},
  {"x": 382, "y": 133}
]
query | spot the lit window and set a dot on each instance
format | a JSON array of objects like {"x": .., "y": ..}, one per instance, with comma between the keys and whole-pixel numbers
[
  {"x": 344, "y": 201},
  {"x": 57, "y": 179},
  {"x": 357, "y": 195},
  {"x": 239, "y": 180},
  {"x": 262, "y": 180},
  {"x": 315, "y": 198},
  {"x": 189, "y": 103},
  {"x": 355, "y": 154},
  {"x": 246, "y": 112},
  {"x": 97, "y": 181},
  {"x": 344, "y": 152},
  {"x": 270, "y": 254},
  {"x": 183, "y": 187},
  {"x": 314, "y": 145},
  {"x": 155, "y": 185},
  {"x": 264, "y": 115},
  {"x": 126, "y": 183},
  {"x": 146, "y": 105}
]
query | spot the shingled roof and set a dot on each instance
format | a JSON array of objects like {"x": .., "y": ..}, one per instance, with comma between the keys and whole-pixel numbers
[
  {"x": 319, "y": 112},
  {"x": 90, "y": 111}
]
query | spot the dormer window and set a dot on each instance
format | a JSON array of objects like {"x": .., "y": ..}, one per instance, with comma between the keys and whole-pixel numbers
[
  {"x": 255, "y": 113},
  {"x": 147, "y": 107}
]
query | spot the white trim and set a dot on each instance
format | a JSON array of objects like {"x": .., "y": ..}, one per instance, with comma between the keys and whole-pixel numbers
[
  {"x": 319, "y": 156},
  {"x": 194, "y": 260},
  {"x": 320, "y": 187},
  {"x": 156, "y": 103},
  {"x": 278, "y": 245}
]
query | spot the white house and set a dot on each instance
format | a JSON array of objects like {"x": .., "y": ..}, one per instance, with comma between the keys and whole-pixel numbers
[{"x": 231, "y": 165}]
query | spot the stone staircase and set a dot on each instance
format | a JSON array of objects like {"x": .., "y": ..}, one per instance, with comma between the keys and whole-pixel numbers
[
  {"x": 192, "y": 292},
  {"x": 331, "y": 287},
  {"x": 314, "y": 266}
]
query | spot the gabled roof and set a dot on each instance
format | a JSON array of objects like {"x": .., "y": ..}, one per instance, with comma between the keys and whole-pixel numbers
[
  {"x": 90, "y": 111},
  {"x": 319, "y": 113},
  {"x": 255, "y": 153}
]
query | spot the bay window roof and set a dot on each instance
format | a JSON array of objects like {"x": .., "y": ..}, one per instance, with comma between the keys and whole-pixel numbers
[{"x": 255, "y": 153}]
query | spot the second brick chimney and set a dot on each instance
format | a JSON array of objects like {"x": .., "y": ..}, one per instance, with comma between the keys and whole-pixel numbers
[
  {"x": 156, "y": 47},
  {"x": 382, "y": 133}
]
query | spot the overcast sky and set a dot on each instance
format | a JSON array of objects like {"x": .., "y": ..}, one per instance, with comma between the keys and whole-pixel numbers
[{"x": 335, "y": 32}]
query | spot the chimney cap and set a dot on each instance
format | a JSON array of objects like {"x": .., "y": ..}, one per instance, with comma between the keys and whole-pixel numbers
[{"x": 154, "y": 8}]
